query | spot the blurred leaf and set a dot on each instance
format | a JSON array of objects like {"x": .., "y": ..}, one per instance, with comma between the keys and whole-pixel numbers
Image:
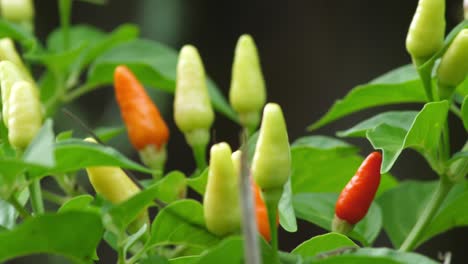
[
  {"x": 401, "y": 119},
  {"x": 286, "y": 210},
  {"x": 8, "y": 213},
  {"x": 231, "y": 251},
  {"x": 78, "y": 34},
  {"x": 316, "y": 170},
  {"x": 319, "y": 209},
  {"x": 64, "y": 135},
  {"x": 154, "y": 260},
  {"x": 107, "y": 133},
  {"x": 376, "y": 256},
  {"x": 77, "y": 203},
  {"x": 423, "y": 135},
  {"x": 41, "y": 150},
  {"x": 401, "y": 85},
  {"x": 18, "y": 33},
  {"x": 323, "y": 142},
  {"x": 153, "y": 63},
  {"x": 56, "y": 61},
  {"x": 199, "y": 183},
  {"x": 402, "y": 206},
  {"x": 5, "y": 148},
  {"x": 72, "y": 234},
  {"x": 464, "y": 111},
  {"x": 182, "y": 223},
  {"x": 323, "y": 243},
  {"x": 172, "y": 187}
]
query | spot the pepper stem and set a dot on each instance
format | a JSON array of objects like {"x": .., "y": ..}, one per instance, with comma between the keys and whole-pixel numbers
[
  {"x": 272, "y": 198},
  {"x": 199, "y": 153},
  {"x": 36, "y": 197}
]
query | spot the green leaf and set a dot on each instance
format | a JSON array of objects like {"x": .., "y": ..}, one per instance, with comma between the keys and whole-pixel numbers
[
  {"x": 401, "y": 119},
  {"x": 172, "y": 187},
  {"x": 72, "y": 155},
  {"x": 423, "y": 135},
  {"x": 154, "y": 64},
  {"x": 316, "y": 170},
  {"x": 107, "y": 133},
  {"x": 322, "y": 243},
  {"x": 64, "y": 135},
  {"x": 77, "y": 203},
  {"x": 323, "y": 142},
  {"x": 72, "y": 234},
  {"x": 286, "y": 210},
  {"x": 18, "y": 33},
  {"x": 41, "y": 149},
  {"x": 402, "y": 206},
  {"x": 401, "y": 85},
  {"x": 464, "y": 111},
  {"x": 78, "y": 34},
  {"x": 319, "y": 208},
  {"x": 55, "y": 61},
  {"x": 182, "y": 223},
  {"x": 199, "y": 183},
  {"x": 376, "y": 256},
  {"x": 5, "y": 148}
]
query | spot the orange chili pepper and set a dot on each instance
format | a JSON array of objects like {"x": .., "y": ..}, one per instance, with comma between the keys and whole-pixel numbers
[
  {"x": 261, "y": 213},
  {"x": 141, "y": 116}
]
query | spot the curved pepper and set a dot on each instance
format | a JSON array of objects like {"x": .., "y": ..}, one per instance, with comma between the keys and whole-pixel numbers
[
  {"x": 426, "y": 33},
  {"x": 271, "y": 165},
  {"x": 247, "y": 94},
  {"x": 453, "y": 66},
  {"x": 193, "y": 112},
  {"x": 221, "y": 201},
  {"x": 356, "y": 198},
  {"x": 24, "y": 114},
  {"x": 146, "y": 128}
]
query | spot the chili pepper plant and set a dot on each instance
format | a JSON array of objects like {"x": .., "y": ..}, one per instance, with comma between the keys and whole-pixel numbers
[{"x": 242, "y": 193}]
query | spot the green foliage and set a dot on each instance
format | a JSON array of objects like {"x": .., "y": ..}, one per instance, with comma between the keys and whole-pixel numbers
[{"x": 323, "y": 243}]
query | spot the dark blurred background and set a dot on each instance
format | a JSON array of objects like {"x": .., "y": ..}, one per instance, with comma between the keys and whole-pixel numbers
[{"x": 312, "y": 53}]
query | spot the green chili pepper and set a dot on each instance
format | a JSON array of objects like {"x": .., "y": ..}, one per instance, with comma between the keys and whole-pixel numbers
[
  {"x": 221, "y": 200},
  {"x": 426, "y": 33},
  {"x": 9, "y": 74},
  {"x": 271, "y": 164},
  {"x": 453, "y": 66},
  {"x": 24, "y": 114},
  {"x": 247, "y": 94}
]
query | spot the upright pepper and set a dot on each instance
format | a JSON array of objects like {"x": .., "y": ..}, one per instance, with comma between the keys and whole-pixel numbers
[
  {"x": 146, "y": 128},
  {"x": 193, "y": 112},
  {"x": 115, "y": 186},
  {"x": 9, "y": 74},
  {"x": 221, "y": 200},
  {"x": 24, "y": 114},
  {"x": 355, "y": 199},
  {"x": 426, "y": 33},
  {"x": 18, "y": 11},
  {"x": 8, "y": 52},
  {"x": 453, "y": 66},
  {"x": 247, "y": 94}
]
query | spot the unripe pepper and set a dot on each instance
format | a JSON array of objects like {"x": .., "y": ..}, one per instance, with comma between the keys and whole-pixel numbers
[
  {"x": 271, "y": 163},
  {"x": 115, "y": 186},
  {"x": 356, "y": 198},
  {"x": 9, "y": 75},
  {"x": 426, "y": 33},
  {"x": 18, "y": 11},
  {"x": 193, "y": 112},
  {"x": 24, "y": 114},
  {"x": 221, "y": 200},
  {"x": 146, "y": 128},
  {"x": 8, "y": 52},
  {"x": 247, "y": 94},
  {"x": 453, "y": 66}
]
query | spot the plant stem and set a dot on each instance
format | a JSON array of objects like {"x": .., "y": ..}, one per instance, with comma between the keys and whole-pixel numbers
[
  {"x": 426, "y": 79},
  {"x": 455, "y": 110},
  {"x": 272, "y": 198},
  {"x": 77, "y": 92},
  {"x": 199, "y": 153},
  {"x": 36, "y": 196},
  {"x": 65, "y": 11},
  {"x": 20, "y": 208},
  {"x": 249, "y": 223},
  {"x": 52, "y": 197},
  {"x": 430, "y": 210}
]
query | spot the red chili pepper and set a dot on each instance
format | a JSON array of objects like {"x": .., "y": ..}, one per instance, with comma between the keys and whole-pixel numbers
[
  {"x": 356, "y": 198},
  {"x": 262, "y": 213},
  {"x": 141, "y": 116}
]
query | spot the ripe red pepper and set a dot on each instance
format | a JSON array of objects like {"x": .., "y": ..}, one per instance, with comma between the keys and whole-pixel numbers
[
  {"x": 141, "y": 116},
  {"x": 356, "y": 198}
]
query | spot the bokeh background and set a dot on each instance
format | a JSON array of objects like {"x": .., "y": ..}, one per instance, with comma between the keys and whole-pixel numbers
[{"x": 312, "y": 53}]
